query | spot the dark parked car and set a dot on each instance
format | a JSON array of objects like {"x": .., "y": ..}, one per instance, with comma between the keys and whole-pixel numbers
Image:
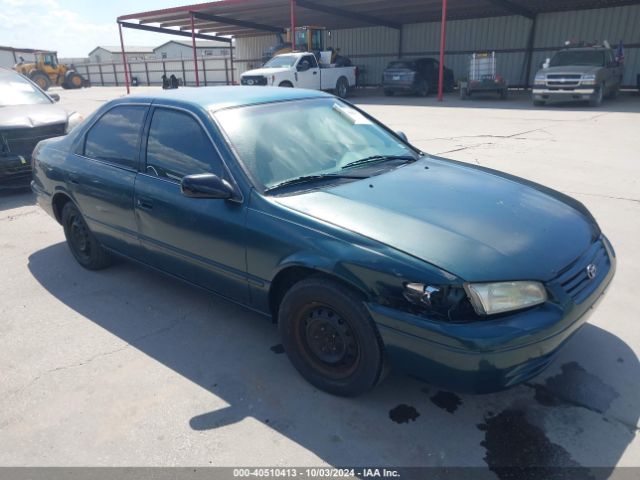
[
  {"x": 305, "y": 209},
  {"x": 27, "y": 115},
  {"x": 415, "y": 76}
]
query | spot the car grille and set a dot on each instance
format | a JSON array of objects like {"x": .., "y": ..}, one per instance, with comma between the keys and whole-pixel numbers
[
  {"x": 22, "y": 141},
  {"x": 563, "y": 80},
  {"x": 575, "y": 280},
  {"x": 250, "y": 80}
]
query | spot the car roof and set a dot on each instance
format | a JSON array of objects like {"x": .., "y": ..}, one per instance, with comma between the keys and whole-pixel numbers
[{"x": 216, "y": 98}]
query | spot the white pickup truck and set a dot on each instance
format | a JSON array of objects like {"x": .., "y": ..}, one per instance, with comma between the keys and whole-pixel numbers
[{"x": 302, "y": 70}]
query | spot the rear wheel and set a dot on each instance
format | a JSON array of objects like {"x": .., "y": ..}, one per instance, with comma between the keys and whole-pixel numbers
[
  {"x": 41, "y": 79},
  {"x": 330, "y": 338},
  {"x": 342, "y": 87},
  {"x": 83, "y": 244}
]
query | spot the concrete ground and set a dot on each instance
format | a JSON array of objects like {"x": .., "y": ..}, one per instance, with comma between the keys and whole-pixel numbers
[{"x": 127, "y": 367}]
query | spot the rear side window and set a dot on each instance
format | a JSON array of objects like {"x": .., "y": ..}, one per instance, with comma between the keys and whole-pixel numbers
[
  {"x": 115, "y": 136},
  {"x": 178, "y": 146}
]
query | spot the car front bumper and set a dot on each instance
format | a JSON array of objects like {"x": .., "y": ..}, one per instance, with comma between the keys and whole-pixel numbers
[
  {"x": 490, "y": 355},
  {"x": 576, "y": 95},
  {"x": 15, "y": 171}
]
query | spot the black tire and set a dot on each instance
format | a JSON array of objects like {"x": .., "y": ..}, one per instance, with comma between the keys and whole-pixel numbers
[
  {"x": 596, "y": 98},
  {"x": 41, "y": 79},
  {"x": 538, "y": 103},
  {"x": 83, "y": 244},
  {"x": 389, "y": 93},
  {"x": 342, "y": 87},
  {"x": 423, "y": 89},
  {"x": 286, "y": 84},
  {"x": 330, "y": 338},
  {"x": 73, "y": 80}
]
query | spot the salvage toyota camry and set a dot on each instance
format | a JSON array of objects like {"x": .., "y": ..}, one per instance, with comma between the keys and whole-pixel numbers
[{"x": 365, "y": 250}]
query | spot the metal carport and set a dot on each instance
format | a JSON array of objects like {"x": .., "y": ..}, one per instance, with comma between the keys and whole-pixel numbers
[{"x": 246, "y": 18}]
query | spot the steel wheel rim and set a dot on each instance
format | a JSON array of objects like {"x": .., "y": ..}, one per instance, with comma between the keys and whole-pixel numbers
[
  {"x": 342, "y": 90},
  {"x": 329, "y": 342},
  {"x": 79, "y": 236}
]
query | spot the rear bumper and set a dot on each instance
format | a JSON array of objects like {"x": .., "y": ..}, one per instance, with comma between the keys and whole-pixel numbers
[
  {"x": 578, "y": 94},
  {"x": 399, "y": 87},
  {"x": 482, "y": 357}
]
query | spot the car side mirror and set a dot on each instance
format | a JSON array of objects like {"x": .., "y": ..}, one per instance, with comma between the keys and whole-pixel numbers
[
  {"x": 403, "y": 136},
  {"x": 303, "y": 67},
  {"x": 55, "y": 97},
  {"x": 206, "y": 185}
]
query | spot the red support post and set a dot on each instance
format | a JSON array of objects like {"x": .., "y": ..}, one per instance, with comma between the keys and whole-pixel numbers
[
  {"x": 443, "y": 34},
  {"x": 292, "y": 4},
  {"x": 195, "y": 52},
  {"x": 124, "y": 61}
]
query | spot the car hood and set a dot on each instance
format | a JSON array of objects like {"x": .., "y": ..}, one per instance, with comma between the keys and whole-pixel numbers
[
  {"x": 478, "y": 224},
  {"x": 570, "y": 69},
  {"x": 29, "y": 116},
  {"x": 264, "y": 71}
]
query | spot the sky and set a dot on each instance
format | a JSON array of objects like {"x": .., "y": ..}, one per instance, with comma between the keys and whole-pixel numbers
[{"x": 75, "y": 27}]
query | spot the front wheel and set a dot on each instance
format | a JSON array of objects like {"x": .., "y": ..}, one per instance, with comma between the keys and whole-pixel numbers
[
  {"x": 342, "y": 87},
  {"x": 83, "y": 244},
  {"x": 286, "y": 84},
  {"x": 596, "y": 98},
  {"x": 330, "y": 338}
]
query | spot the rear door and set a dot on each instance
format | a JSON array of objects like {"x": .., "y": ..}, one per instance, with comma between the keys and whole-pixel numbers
[
  {"x": 308, "y": 78},
  {"x": 102, "y": 174},
  {"x": 198, "y": 239}
]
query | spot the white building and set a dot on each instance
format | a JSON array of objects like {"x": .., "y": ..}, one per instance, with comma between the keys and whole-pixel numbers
[
  {"x": 9, "y": 56},
  {"x": 182, "y": 49},
  {"x": 109, "y": 54}
]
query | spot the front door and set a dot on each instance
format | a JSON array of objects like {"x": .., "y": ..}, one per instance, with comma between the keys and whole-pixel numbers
[
  {"x": 198, "y": 239},
  {"x": 308, "y": 72}
]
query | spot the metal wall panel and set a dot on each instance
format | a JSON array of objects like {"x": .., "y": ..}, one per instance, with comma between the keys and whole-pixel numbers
[{"x": 372, "y": 47}]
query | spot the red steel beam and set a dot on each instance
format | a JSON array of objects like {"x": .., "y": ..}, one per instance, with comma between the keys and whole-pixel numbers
[
  {"x": 443, "y": 34},
  {"x": 292, "y": 5},
  {"x": 124, "y": 60},
  {"x": 195, "y": 52}
]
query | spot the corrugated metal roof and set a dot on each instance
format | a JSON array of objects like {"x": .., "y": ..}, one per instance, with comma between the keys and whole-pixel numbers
[{"x": 239, "y": 14}]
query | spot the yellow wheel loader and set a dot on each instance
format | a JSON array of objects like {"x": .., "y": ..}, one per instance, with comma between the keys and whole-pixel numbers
[{"x": 46, "y": 71}]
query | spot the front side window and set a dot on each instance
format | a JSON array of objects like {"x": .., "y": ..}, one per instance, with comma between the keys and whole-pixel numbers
[
  {"x": 115, "y": 136},
  {"x": 283, "y": 141},
  {"x": 178, "y": 146},
  {"x": 311, "y": 60}
]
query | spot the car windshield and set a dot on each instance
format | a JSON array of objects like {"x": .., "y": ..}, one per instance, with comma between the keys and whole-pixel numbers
[
  {"x": 279, "y": 142},
  {"x": 281, "y": 61},
  {"x": 17, "y": 90},
  {"x": 409, "y": 65},
  {"x": 590, "y": 58}
]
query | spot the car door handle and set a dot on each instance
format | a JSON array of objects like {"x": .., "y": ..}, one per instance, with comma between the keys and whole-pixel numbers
[{"x": 144, "y": 203}]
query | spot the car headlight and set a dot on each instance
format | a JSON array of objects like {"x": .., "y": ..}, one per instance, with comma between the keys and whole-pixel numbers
[
  {"x": 491, "y": 298},
  {"x": 73, "y": 121},
  {"x": 589, "y": 78}
]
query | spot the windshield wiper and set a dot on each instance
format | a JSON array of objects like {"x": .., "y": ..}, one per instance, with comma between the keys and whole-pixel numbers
[
  {"x": 311, "y": 178},
  {"x": 379, "y": 158}
]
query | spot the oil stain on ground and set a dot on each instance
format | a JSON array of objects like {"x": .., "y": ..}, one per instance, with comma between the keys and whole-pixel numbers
[
  {"x": 519, "y": 450},
  {"x": 403, "y": 414},
  {"x": 277, "y": 348},
  {"x": 575, "y": 386},
  {"x": 446, "y": 400}
]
